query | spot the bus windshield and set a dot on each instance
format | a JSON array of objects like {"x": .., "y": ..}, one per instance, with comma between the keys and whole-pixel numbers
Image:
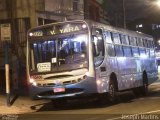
[{"x": 59, "y": 53}]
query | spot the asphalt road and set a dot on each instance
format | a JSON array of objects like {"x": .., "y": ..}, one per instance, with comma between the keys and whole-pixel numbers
[{"x": 129, "y": 107}]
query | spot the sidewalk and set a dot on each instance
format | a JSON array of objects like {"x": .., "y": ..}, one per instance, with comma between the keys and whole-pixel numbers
[{"x": 19, "y": 104}]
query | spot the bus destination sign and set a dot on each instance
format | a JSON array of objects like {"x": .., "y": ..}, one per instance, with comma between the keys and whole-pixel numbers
[{"x": 57, "y": 29}]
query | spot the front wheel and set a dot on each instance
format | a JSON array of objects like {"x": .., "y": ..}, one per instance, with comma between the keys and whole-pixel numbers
[
  {"x": 144, "y": 88},
  {"x": 112, "y": 93}
]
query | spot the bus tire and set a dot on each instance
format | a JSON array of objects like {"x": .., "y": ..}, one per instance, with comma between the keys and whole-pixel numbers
[{"x": 112, "y": 93}]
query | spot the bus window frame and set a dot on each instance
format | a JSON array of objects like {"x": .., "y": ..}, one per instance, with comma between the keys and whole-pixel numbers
[
  {"x": 97, "y": 35},
  {"x": 113, "y": 38},
  {"x": 124, "y": 41}
]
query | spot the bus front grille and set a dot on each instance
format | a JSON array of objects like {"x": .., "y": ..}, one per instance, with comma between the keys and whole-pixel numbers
[
  {"x": 55, "y": 84},
  {"x": 68, "y": 91}
]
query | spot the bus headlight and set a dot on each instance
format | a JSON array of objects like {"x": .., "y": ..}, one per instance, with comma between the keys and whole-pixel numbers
[
  {"x": 31, "y": 80},
  {"x": 34, "y": 84},
  {"x": 98, "y": 82}
]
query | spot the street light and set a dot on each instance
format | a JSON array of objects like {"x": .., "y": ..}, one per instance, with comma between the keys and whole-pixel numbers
[
  {"x": 158, "y": 42},
  {"x": 158, "y": 2}
]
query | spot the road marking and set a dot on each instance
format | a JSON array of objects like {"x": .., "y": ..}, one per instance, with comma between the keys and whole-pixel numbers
[
  {"x": 117, "y": 118},
  {"x": 152, "y": 112},
  {"x": 156, "y": 83}
]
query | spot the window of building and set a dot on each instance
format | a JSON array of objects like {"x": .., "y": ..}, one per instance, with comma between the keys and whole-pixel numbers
[
  {"x": 139, "y": 26},
  {"x": 2, "y": 5},
  {"x": 155, "y": 26},
  {"x": 75, "y": 5}
]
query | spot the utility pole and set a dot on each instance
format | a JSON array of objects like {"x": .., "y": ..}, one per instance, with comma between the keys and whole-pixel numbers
[
  {"x": 124, "y": 14},
  {"x": 6, "y": 38},
  {"x": 7, "y": 34}
]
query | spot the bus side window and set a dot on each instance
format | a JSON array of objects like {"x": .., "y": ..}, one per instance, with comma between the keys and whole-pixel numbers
[
  {"x": 152, "y": 53},
  {"x": 116, "y": 38},
  {"x": 124, "y": 39},
  {"x": 132, "y": 41},
  {"x": 148, "y": 52},
  {"x": 110, "y": 50},
  {"x": 140, "y": 42},
  {"x": 127, "y": 51},
  {"x": 108, "y": 38},
  {"x": 135, "y": 51},
  {"x": 142, "y": 52},
  {"x": 119, "y": 50},
  {"x": 98, "y": 46},
  {"x": 144, "y": 42},
  {"x": 152, "y": 44}
]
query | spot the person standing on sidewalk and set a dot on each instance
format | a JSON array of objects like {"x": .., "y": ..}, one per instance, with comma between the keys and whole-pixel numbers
[{"x": 15, "y": 70}]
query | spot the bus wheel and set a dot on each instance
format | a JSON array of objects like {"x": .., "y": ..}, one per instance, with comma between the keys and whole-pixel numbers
[
  {"x": 58, "y": 103},
  {"x": 112, "y": 93},
  {"x": 144, "y": 88}
]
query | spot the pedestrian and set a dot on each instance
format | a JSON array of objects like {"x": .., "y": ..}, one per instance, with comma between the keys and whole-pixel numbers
[{"x": 15, "y": 70}]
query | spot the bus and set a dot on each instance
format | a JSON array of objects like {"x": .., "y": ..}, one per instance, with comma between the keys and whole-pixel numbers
[{"x": 80, "y": 58}]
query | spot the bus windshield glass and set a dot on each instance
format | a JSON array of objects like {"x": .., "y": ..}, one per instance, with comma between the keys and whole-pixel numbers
[{"x": 61, "y": 53}]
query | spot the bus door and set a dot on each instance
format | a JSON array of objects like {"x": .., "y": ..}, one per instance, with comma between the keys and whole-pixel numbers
[{"x": 99, "y": 55}]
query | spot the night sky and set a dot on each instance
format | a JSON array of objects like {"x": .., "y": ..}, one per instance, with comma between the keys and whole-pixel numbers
[{"x": 141, "y": 9}]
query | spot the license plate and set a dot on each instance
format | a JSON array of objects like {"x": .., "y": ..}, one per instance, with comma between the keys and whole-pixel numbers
[{"x": 59, "y": 89}]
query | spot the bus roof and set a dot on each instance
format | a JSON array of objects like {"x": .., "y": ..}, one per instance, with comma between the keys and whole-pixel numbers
[
  {"x": 103, "y": 26},
  {"x": 118, "y": 29}
]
